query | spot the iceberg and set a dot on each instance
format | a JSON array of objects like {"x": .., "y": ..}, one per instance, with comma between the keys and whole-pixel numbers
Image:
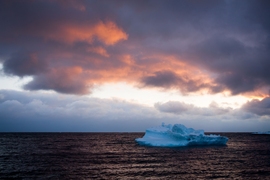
[{"x": 178, "y": 135}]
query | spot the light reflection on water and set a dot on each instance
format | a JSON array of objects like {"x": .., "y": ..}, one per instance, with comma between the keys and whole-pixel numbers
[{"x": 117, "y": 156}]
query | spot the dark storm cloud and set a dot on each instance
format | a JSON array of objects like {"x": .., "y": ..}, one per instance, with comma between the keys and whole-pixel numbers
[
  {"x": 61, "y": 80},
  {"x": 162, "y": 79},
  {"x": 240, "y": 67},
  {"x": 238, "y": 49},
  {"x": 24, "y": 64},
  {"x": 258, "y": 107},
  {"x": 169, "y": 79},
  {"x": 63, "y": 38},
  {"x": 259, "y": 13},
  {"x": 228, "y": 40},
  {"x": 225, "y": 40}
]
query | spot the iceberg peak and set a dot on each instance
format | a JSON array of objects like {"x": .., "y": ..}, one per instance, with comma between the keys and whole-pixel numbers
[{"x": 178, "y": 135}]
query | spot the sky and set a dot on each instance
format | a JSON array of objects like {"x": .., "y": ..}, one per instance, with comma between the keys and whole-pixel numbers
[{"x": 125, "y": 66}]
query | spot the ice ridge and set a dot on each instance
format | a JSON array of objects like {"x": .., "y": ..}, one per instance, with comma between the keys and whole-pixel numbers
[{"x": 178, "y": 135}]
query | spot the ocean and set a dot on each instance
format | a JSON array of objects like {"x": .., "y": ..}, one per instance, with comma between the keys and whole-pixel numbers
[{"x": 117, "y": 156}]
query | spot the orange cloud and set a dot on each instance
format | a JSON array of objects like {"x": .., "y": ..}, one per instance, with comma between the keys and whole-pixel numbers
[
  {"x": 156, "y": 71},
  {"x": 189, "y": 79},
  {"x": 260, "y": 93},
  {"x": 99, "y": 50},
  {"x": 70, "y": 74},
  {"x": 188, "y": 72},
  {"x": 108, "y": 33}
]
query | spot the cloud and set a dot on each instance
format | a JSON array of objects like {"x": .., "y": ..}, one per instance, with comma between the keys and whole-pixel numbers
[
  {"x": 188, "y": 45},
  {"x": 99, "y": 50},
  {"x": 108, "y": 33},
  {"x": 51, "y": 112},
  {"x": 64, "y": 80},
  {"x": 217, "y": 115},
  {"x": 162, "y": 79},
  {"x": 173, "y": 107},
  {"x": 182, "y": 108},
  {"x": 185, "y": 82},
  {"x": 22, "y": 64},
  {"x": 259, "y": 107}
]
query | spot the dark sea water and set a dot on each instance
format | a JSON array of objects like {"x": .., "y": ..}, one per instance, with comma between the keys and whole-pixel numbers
[{"x": 117, "y": 156}]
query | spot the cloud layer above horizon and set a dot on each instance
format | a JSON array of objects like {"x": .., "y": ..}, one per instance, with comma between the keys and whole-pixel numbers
[
  {"x": 193, "y": 46},
  {"x": 71, "y": 48},
  {"x": 51, "y": 112}
]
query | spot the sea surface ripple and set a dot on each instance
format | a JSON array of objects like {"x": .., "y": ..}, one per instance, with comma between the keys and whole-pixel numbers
[{"x": 117, "y": 156}]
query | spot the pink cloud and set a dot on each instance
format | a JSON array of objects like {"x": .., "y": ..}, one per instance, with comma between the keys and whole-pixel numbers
[{"x": 106, "y": 32}]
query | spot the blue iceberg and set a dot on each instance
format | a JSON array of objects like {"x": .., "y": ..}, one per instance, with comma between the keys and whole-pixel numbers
[{"x": 177, "y": 136}]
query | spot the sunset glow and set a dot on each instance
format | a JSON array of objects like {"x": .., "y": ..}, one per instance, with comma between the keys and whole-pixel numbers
[{"x": 135, "y": 62}]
